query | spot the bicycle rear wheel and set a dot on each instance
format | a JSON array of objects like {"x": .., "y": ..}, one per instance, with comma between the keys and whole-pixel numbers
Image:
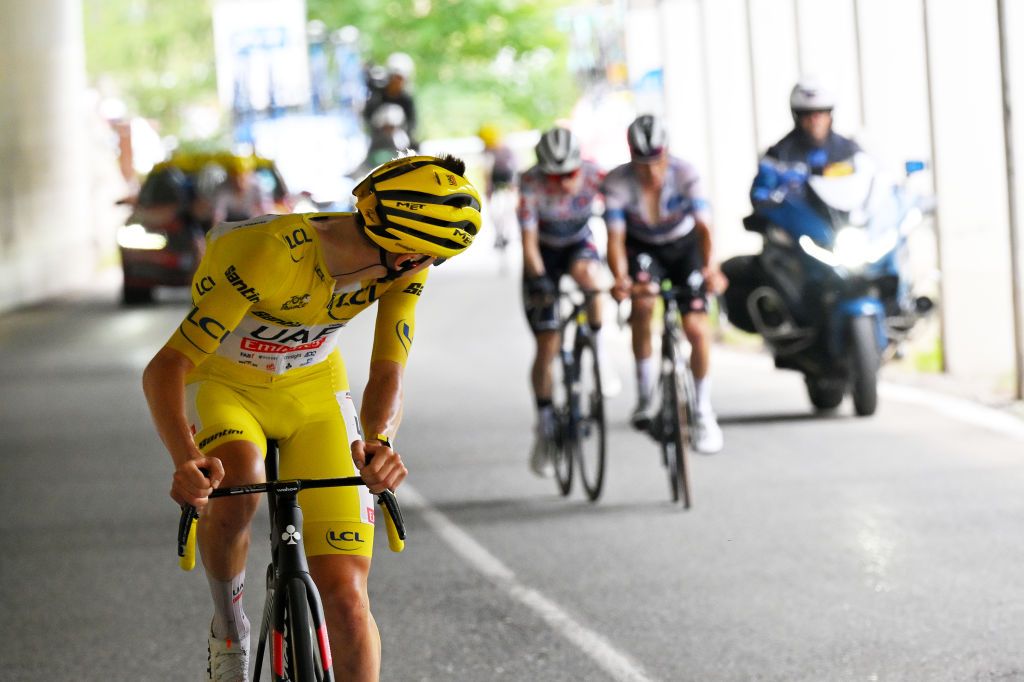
[
  {"x": 674, "y": 432},
  {"x": 588, "y": 419},
  {"x": 301, "y": 662}
]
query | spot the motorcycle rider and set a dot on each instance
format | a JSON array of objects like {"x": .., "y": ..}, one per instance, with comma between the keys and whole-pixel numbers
[
  {"x": 395, "y": 90},
  {"x": 656, "y": 208},
  {"x": 812, "y": 145}
]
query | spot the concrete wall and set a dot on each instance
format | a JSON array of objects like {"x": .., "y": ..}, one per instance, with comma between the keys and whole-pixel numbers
[
  {"x": 46, "y": 228},
  {"x": 729, "y": 66}
]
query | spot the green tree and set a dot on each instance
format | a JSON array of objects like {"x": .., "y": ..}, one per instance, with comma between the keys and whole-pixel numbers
[
  {"x": 158, "y": 54},
  {"x": 500, "y": 61}
]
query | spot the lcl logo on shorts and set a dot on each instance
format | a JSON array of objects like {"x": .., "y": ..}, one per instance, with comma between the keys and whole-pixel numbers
[{"x": 344, "y": 540}]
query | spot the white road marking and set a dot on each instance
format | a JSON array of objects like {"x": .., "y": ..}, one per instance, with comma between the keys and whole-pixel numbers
[
  {"x": 961, "y": 409},
  {"x": 617, "y": 664},
  {"x": 958, "y": 408}
]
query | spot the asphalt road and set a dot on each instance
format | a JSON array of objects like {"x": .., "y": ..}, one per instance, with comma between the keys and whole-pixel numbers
[{"x": 835, "y": 548}]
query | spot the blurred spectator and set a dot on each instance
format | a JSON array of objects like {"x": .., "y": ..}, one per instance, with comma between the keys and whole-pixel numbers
[
  {"x": 395, "y": 91},
  {"x": 240, "y": 197}
]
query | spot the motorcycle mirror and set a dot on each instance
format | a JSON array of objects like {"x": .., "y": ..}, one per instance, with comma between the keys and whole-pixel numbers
[{"x": 912, "y": 167}]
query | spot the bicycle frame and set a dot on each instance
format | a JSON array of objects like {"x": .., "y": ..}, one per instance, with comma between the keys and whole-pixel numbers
[
  {"x": 670, "y": 426},
  {"x": 288, "y": 559}
]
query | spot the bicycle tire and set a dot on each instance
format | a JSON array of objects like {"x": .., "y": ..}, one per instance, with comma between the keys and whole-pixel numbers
[
  {"x": 300, "y": 657},
  {"x": 588, "y": 424},
  {"x": 674, "y": 436},
  {"x": 560, "y": 452}
]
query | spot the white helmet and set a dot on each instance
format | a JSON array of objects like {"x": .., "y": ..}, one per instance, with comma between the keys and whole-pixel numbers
[
  {"x": 558, "y": 152},
  {"x": 810, "y": 95},
  {"x": 400, "y": 64},
  {"x": 388, "y": 115},
  {"x": 647, "y": 137}
]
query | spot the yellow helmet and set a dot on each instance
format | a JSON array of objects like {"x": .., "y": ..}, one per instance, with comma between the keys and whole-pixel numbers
[
  {"x": 490, "y": 134},
  {"x": 419, "y": 204}
]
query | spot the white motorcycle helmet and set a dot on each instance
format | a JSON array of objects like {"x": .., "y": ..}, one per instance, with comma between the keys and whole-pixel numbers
[
  {"x": 401, "y": 64},
  {"x": 810, "y": 95}
]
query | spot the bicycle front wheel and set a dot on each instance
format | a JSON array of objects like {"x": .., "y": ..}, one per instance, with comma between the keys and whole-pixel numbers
[
  {"x": 560, "y": 448},
  {"x": 674, "y": 435},
  {"x": 588, "y": 419},
  {"x": 300, "y": 662}
]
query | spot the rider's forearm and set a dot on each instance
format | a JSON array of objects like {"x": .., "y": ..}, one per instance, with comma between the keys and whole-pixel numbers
[
  {"x": 381, "y": 411},
  {"x": 704, "y": 230},
  {"x": 617, "y": 254},
  {"x": 163, "y": 382},
  {"x": 533, "y": 264}
]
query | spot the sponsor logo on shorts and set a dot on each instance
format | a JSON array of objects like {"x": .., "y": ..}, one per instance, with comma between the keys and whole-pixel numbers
[
  {"x": 369, "y": 511},
  {"x": 220, "y": 434},
  {"x": 345, "y": 540}
]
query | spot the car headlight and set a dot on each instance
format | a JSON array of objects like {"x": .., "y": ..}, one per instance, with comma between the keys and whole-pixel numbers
[{"x": 136, "y": 236}]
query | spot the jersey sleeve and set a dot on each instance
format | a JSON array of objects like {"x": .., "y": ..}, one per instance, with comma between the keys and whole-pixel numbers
[
  {"x": 616, "y": 198},
  {"x": 697, "y": 195},
  {"x": 396, "y": 319},
  {"x": 527, "y": 209},
  {"x": 239, "y": 269}
]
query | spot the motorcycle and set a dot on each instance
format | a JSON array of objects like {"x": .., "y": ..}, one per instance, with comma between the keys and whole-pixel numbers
[{"x": 828, "y": 292}]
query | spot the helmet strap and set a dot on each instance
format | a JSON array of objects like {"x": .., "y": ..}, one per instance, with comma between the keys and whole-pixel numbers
[{"x": 393, "y": 273}]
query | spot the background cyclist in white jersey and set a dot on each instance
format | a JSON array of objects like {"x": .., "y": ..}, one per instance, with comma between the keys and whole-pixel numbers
[{"x": 656, "y": 212}]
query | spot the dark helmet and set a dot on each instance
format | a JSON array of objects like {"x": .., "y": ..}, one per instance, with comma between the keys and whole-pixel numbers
[{"x": 647, "y": 138}]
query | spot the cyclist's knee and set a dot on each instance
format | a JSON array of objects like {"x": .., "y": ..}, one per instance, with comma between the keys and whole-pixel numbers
[
  {"x": 342, "y": 584},
  {"x": 697, "y": 329}
]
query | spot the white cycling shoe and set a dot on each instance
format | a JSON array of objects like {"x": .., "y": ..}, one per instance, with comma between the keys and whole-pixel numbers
[
  {"x": 227, "y": 660},
  {"x": 707, "y": 437},
  {"x": 544, "y": 435}
]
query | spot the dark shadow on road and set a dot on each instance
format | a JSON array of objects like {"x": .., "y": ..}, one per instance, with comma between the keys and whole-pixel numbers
[
  {"x": 755, "y": 419},
  {"x": 529, "y": 509}
]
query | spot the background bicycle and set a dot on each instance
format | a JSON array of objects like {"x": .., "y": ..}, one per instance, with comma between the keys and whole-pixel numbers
[{"x": 580, "y": 438}]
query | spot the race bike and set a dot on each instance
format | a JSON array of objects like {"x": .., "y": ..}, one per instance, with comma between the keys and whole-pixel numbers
[{"x": 828, "y": 292}]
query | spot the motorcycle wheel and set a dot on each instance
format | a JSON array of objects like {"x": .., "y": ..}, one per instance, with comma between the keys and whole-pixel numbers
[
  {"x": 825, "y": 394},
  {"x": 865, "y": 359}
]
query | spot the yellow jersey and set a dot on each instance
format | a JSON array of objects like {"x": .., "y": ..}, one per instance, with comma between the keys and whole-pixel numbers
[{"x": 263, "y": 299}]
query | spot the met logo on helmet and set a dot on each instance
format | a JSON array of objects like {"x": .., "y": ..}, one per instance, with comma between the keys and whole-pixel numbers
[{"x": 409, "y": 205}]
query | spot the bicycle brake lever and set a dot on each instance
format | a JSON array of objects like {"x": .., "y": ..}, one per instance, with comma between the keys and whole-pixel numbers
[{"x": 392, "y": 520}]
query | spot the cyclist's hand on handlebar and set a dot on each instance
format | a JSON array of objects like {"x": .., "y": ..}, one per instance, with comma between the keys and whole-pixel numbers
[
  {"x": 715, "y": 280},
  {"x": 191, "y": 485},
  {"x": 622, "y": 287},
  {"x": 380, "y": 466}
]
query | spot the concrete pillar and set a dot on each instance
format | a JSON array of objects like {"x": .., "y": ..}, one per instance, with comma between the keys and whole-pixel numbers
[
  {"x": 46, "y": 230},
  {"x": 971, "y": 186}
]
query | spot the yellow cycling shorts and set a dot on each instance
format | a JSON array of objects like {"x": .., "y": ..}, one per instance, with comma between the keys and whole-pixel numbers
[{"x": 309, "y": 411}]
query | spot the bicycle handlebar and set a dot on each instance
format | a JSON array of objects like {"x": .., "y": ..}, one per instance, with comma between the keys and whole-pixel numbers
[{"x": 186, "y": 525}]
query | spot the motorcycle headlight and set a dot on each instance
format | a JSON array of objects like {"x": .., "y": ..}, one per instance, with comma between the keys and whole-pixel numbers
[
  {"x": 851, "y": 247},
  {"x": 852, "y": 250},
  {"x": 136, "y": 236}
]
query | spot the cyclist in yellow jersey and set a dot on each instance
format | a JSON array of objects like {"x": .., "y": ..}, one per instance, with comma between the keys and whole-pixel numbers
[{"x": 255, "y": 358}]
